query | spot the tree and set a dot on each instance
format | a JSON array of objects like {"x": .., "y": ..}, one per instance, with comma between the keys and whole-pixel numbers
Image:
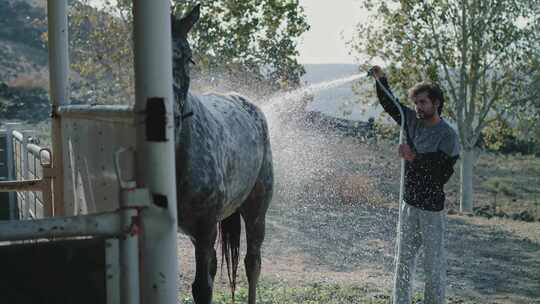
[
  {"x": 101, "y": 51},
  {"x": 252, "y": 39},
  {"x": 252, "y": 35},
  {"x": 484, "y": 53}
]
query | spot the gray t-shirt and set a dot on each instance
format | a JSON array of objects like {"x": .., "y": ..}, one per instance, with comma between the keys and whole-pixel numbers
[{"x": 428, "y": 139}]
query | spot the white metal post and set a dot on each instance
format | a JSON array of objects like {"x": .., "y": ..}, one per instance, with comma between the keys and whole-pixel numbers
[
  {"x": 155, "y": 149},
  {"x": 10, "y": 170},
  {"x": 46, "y": 190},
  {"x": 112, "y": 269},
  {"x": 59, "y": 89},
  {"x": 130, "y": 274},
  {"x": 24, "y": 168},
  {"x": 131, "y": 200},
  {"x": 100, "y": 224}
]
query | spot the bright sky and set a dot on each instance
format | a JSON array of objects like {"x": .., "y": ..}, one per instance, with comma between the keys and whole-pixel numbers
[{"x": 329, "y": 20}]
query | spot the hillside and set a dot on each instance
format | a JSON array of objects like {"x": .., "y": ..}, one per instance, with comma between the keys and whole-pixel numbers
[{"x": 23, "y": 51}]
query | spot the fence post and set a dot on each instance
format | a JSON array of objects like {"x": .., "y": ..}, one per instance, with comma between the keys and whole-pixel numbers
[
  {"x": 11, "y": 171},
  {"x": 24, "y": 169},
  {"x": 46, "y": 192},
  {"x": 4, "y": 203},
  {"x": 155, "y": 149},
  {"x": 59, "y": 89}
]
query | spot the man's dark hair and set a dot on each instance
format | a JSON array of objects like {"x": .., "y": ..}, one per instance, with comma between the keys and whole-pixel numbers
[{"x": 432, "y": 89}]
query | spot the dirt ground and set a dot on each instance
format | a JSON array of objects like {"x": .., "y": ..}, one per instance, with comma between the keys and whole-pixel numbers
[{"x": 333, "y": 220}]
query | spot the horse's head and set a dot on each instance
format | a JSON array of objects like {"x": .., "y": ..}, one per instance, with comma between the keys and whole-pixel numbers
[{"x": 182, "y": 55}]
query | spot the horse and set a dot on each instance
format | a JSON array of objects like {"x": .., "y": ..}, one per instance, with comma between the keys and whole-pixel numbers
[{"x": 224, "y": 172}]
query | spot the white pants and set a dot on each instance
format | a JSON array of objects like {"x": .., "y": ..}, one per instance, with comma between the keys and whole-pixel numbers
[{"x": 420, "y": 227}]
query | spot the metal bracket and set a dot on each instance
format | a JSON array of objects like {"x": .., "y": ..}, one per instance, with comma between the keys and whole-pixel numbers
[
  {"x": 135, "y": 198},
  {"x": 130, "y": 195},
  {"x": 126, "y": 182}
]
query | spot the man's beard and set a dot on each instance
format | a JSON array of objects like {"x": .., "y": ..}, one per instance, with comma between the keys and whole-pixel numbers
[{"x": 424, "y": 115}]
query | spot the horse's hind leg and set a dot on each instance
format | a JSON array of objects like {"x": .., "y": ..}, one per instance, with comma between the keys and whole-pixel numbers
[
  {"x": 213, "y": 264},
  {"x": 205, "y": 263},
  {"x": 254, "y": 211}
]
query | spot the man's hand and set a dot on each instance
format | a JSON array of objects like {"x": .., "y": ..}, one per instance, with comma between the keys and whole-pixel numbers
[
  {"x": 406, "y": 152},
  {"x": 376, "y": 71}
]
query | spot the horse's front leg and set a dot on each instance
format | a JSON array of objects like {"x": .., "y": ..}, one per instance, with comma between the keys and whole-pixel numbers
[{"x": 205, "y": 265}]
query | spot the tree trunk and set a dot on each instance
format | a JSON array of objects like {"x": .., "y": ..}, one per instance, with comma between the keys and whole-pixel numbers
[{"x": 466, "y": 195}]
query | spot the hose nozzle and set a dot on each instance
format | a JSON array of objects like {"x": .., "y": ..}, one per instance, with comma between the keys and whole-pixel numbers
[{"x": 371, "y": 72}]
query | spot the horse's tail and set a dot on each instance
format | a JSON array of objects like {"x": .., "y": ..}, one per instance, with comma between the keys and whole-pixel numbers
[{"x": 230, "y": 229}]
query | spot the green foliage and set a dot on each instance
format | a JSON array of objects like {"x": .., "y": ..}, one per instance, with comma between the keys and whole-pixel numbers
[
  {"x": 101, "y": 52},
  {"x": 500, "y": 136},
  {"x": 484, "y": 53},
  {"x": 239, "y": 39},
  {"x": 250, "y": 35}
]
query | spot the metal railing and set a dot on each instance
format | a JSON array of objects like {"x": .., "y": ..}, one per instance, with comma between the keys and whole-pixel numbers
[{"x": 29, "y": 177}]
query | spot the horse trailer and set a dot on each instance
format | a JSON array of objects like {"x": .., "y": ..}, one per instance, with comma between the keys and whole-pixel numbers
[{"x": 106, "y": 230}]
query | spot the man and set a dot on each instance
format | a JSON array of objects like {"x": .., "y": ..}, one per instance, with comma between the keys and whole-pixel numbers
[{"x": 430, "y": 153}]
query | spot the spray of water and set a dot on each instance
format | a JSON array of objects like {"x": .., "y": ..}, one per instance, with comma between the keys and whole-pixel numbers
[
  {"x": 325, "y": 186},
  {"x": 280, "y": 99},
  {"x": 285, "y": 112}
]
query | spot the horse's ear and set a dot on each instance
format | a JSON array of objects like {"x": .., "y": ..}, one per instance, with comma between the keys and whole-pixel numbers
[{"x": 182, "y": 27}]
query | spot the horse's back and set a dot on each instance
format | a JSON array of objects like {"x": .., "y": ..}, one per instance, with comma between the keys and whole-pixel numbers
[
  {"x": 228, "y": 146},
  {"x": 236, "y": 113}
]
